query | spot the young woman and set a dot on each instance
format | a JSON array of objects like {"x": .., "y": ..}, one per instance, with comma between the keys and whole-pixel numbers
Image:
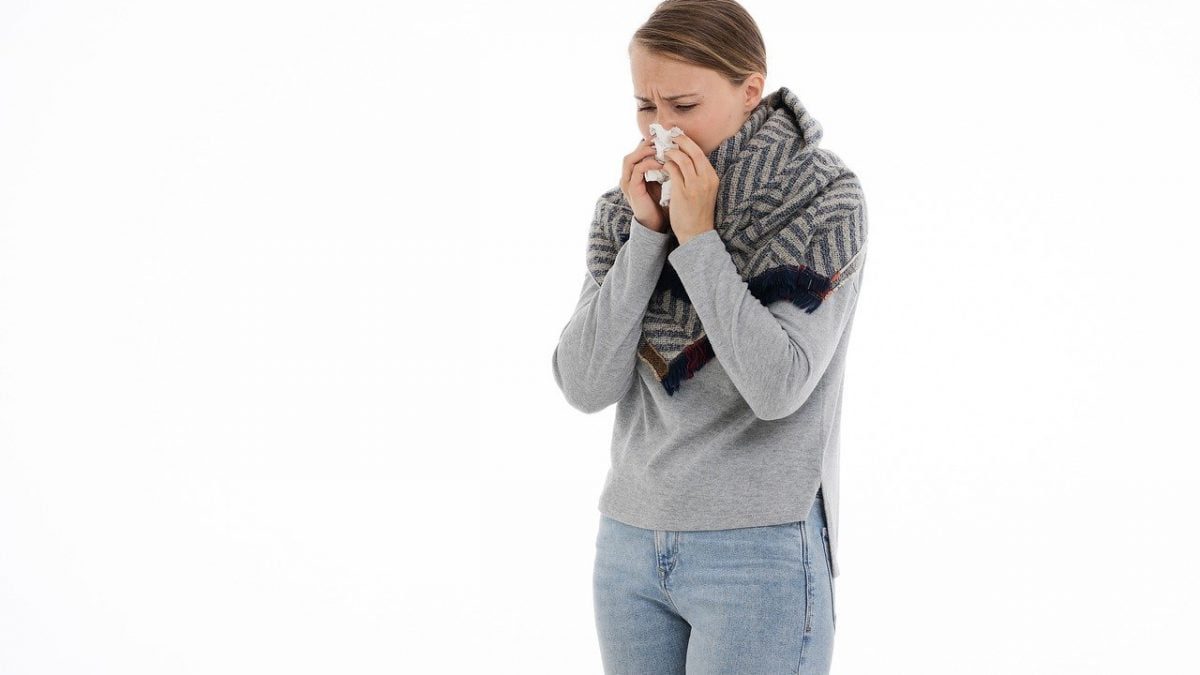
[{"x": 719, "y": 325}]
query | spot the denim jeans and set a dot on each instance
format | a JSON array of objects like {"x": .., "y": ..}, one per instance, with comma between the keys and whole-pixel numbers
[{"x": 750, "y": 600}]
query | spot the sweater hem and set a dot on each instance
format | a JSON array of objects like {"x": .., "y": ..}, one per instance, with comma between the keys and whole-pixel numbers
[{"x": 776, "y": 518}]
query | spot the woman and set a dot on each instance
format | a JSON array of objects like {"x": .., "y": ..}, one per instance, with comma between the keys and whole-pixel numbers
[{"x": 719, "y": 325}]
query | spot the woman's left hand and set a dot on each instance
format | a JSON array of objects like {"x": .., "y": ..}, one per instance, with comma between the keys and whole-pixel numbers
[{"x": 693, "y": 189}]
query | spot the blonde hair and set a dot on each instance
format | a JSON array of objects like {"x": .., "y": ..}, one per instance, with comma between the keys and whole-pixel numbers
[{"x": 716, "y": 34}]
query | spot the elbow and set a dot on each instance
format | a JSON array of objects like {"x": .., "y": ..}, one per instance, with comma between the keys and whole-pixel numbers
[
  {"x": 584, "y": 401},
  {"x": 589, "y": 406},
  {"x": 781, "y": 404},
  {"x": 778, "y": 410},
  {"x": 792, "y": 392},
  {"x": 577, "y": 394}
]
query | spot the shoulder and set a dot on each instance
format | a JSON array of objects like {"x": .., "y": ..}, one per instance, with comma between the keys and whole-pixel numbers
[{"x": 613, "y": 199}]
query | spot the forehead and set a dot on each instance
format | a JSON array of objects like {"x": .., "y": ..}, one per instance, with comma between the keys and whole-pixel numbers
[{"x": 655, "y": 76}]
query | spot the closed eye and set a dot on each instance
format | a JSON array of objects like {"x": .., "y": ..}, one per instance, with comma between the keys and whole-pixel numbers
[{"x": 681, "y": 108}]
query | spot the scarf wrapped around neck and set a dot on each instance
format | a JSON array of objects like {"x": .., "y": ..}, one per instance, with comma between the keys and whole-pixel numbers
[{"x": 791, "y": 215}]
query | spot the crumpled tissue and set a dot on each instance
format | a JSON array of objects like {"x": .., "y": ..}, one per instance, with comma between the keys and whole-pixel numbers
[{"x": 662, "y": 142}]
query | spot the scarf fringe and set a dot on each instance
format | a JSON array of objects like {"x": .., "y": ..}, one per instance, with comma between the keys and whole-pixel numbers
[
  {"x": 803, "y": 285},
  {"x": 692, "y": 358}
]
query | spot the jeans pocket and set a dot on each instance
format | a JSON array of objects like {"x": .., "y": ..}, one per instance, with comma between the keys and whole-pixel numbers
[{"x": 829, "y": 568}]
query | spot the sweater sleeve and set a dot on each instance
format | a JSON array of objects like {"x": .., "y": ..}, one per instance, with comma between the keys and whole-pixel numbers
[
  {"x": 775, "y": 354},
  {"x": 596, "y": 357}
]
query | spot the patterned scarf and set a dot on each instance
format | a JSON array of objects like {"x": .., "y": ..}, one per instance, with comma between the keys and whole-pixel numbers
[{"x": 791, "y": 215}]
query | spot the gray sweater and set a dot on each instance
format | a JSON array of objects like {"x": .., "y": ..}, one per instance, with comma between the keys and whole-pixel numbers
[{"x": 754, "y": 433}]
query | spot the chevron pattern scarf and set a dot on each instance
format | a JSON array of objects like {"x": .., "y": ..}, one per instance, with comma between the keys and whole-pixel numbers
[{"x": 791, "y": 215}]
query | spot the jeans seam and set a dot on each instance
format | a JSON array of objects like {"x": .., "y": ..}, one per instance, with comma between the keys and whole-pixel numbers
[
  {"x": 825, "y": 548},
  {"x": 808, "y": 585},
  {"x": 662, "y": 579},
  {"x": 660, "y": 535},
  {"x": 806, "y": 636}
]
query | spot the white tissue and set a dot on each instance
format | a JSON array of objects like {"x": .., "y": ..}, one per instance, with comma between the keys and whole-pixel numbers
[{"x": 662, "y": 142}]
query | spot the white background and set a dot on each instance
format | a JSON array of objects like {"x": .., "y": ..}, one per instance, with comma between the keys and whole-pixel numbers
[{"x": 280, "y": 284}]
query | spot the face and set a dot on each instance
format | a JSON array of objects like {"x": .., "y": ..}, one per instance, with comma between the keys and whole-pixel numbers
[{"x": 705, "y": 105}]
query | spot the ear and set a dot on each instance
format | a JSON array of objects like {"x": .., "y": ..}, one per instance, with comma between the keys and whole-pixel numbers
[{"x": 752, "y": 90}]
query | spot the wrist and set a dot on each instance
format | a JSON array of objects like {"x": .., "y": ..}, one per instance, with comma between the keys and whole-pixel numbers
[{"x": 659, "y": 227}]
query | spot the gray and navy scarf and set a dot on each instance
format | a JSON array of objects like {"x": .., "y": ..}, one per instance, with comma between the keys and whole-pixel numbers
[{"x": 791, "y": 215}]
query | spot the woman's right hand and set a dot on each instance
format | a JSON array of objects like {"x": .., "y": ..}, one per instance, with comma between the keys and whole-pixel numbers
[{"x": 641, "y": 195}]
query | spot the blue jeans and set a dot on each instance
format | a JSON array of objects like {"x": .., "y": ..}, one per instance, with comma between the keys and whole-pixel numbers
[{"x": 747, "y": 600}]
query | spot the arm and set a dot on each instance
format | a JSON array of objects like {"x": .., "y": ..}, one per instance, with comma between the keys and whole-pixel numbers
[
  {"x": 596, "y": 357},
  {"x": 774, "y": 354}
]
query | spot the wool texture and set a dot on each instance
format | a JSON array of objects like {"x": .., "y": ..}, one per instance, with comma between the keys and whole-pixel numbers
[{"x": 790, "y": 213}]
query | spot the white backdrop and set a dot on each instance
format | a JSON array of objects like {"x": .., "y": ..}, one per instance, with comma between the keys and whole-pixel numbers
[{"x": 280, "y": 284}]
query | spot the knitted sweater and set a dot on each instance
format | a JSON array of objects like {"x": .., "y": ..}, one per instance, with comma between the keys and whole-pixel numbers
[{"x": 755, "y": 432}]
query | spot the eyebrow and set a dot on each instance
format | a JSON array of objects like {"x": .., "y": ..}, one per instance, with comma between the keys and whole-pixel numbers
[{"x": 669, "y": 98}]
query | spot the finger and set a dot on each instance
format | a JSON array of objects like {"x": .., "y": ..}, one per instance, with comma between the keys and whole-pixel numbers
[
  {"x": 638, "y": 183},
  {"x": 641, "y": 168},
  {"x": 696, "y": 155},
  {"x": 650, "y": 162},
  {"x": 687, "y": 169},
  {"x": 633, "y": 158},
  {"x": 682, "y": 158},
  {"x": 693, "y": 150},
  {"x": 676, "y": 174},
  {"x": 639, "y": 172},
  {"x": 648, "y": 144}
]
